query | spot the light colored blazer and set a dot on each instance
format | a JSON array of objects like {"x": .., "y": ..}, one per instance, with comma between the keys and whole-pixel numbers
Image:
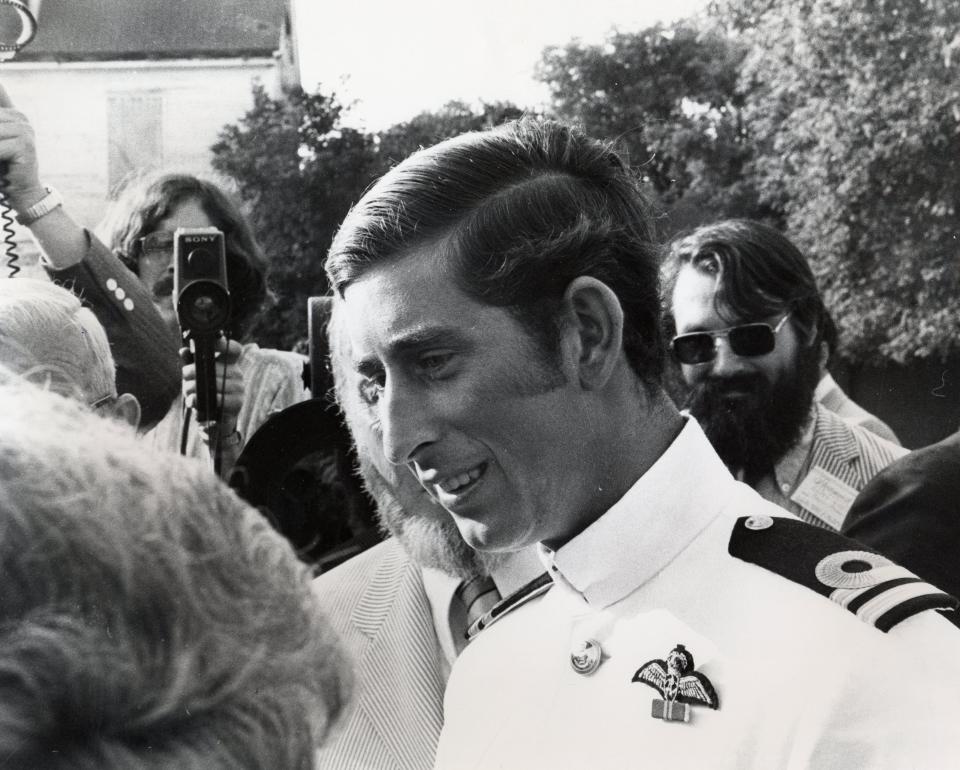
[
  {"x": 852, "y": 454},
  {"x": 831, "y": 395},
  {"x": 377, "y": 604}
]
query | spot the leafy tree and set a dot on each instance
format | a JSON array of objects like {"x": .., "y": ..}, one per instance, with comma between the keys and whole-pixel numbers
[
  {"x": 668, "y": 95},
  {"x": 854, "y": 112},
  {"x": 300, "y": 170},
  {"x": 428, "y": 128}
]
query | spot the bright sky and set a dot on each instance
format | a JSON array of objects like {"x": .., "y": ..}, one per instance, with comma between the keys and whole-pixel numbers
[{"x": 396, "y": 58}]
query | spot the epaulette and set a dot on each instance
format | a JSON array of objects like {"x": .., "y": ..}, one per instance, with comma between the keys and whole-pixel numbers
[
  {"x": 539, "y": 585},
  {"x": 857, "y": 578}
]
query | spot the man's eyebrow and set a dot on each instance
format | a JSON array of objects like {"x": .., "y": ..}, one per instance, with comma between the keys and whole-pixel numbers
[
  {"x": 418, "y": 339},
  {"x": 368, "y": 367},
  {"x": 411, "y": 341}
]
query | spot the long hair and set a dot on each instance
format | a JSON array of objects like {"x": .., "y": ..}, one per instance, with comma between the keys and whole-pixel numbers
[
  {"x": 759, "y": 273},
  {"x": 146, "y": 199}
]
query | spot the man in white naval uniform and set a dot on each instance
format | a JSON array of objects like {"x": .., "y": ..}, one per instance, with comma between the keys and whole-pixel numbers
[{"x": 500, "y": 293}]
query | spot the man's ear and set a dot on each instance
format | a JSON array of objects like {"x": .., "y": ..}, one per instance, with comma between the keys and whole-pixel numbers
[
  {"x": 126, "y": 409},
  {"x": 593, "y": 326}
]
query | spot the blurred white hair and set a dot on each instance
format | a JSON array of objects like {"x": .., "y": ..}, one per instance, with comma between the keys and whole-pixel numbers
[
  {"x": 148, "y": 617},
  {"x": 49, "y": 337}
]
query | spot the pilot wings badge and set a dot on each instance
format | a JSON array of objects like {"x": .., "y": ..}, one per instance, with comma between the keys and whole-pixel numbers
[{"x": 678, "y": 683}]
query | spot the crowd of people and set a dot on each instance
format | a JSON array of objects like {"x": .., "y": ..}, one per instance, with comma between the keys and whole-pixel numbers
[{"x": 628, "y": 516}]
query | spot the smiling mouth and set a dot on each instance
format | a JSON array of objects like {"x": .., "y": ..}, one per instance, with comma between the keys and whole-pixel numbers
[{"x": 455, "y": 487}]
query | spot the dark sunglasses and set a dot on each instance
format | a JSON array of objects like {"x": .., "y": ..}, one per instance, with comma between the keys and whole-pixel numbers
[{"x": 755, "y": 339}]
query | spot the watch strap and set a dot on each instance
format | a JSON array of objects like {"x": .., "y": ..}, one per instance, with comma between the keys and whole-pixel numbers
[{"x": 41, "y": 208}]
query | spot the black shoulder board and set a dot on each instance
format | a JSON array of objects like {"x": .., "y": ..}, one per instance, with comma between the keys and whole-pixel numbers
[
  {"x": 539, "y": 585},
  {"x": 857, "y": 578}
]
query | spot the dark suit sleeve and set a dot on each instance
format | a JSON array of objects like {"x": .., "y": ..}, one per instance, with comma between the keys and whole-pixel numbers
[
  {"x": 148, "y": 365},
  {"x": 910, "y": 512}
]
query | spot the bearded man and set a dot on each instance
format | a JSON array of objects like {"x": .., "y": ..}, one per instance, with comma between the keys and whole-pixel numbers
[{"x": 750, "y": 326}]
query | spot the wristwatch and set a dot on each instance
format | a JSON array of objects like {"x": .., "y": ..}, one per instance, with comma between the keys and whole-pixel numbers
[{"x": 41, "y": 208}]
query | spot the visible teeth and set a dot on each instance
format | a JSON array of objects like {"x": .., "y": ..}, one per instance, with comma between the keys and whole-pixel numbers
[{"x": 454, "y": 483}]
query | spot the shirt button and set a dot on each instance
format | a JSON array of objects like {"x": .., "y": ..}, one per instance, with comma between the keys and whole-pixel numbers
[
  {"x": 111, "y": 284},
  {"x": 784, "y": 487},
  {"x": 759, "y": 522},
  {"x": 119, "y": 293},
  {"x": 128, "y": 304}
]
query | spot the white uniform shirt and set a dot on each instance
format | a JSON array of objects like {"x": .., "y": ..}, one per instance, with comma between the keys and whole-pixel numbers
[{"x": 802, "y": 682}]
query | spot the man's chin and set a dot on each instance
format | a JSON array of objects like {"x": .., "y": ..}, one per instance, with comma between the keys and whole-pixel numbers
[{"x": 491, "y": 544}]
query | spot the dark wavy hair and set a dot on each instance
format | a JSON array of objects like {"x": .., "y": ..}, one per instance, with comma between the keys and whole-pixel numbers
[
  {"x": 147, "y": 199},
  {"x": 518, "y": 212},
  {"x": 761, "y": 273}
]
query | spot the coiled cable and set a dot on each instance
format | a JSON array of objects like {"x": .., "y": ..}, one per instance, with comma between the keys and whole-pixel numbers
[{"x": 28, "y": 23}]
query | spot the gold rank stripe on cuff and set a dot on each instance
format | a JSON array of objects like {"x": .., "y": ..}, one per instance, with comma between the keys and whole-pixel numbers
[{"x": 888, "y": 603}]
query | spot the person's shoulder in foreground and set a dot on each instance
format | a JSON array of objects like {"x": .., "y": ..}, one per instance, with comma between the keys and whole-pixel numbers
[
  {"x": 786, "y": 645},
  {"x": 911, "y": 512}
]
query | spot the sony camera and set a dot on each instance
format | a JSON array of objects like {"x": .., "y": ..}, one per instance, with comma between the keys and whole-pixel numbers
[
  {"x": 200, "y": 280},
  {"x": 203, "y": 306}
]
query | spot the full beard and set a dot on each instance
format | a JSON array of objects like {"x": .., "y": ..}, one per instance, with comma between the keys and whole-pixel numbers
[{"x": 752, "y": 432}]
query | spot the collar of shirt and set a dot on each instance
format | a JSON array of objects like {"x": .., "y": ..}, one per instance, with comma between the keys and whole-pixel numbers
[
  {"x": 826, "y": 384},
  {"x": 440, "y": 589},
  {"x": 667, "y": 507}
]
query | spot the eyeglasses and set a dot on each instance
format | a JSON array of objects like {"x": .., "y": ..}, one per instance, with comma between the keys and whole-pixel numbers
[
  {"x": 755, "y": 339},
  {"x": 159, "y": 242}
]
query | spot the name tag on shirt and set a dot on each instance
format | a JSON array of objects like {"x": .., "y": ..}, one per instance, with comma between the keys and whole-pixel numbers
[{"x": 825, "y": 496}]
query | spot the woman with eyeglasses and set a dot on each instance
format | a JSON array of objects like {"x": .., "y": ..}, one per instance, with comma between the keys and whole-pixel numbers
[
  {"x": 252, "y": 382},
  {"x": 128, "y": 284}
]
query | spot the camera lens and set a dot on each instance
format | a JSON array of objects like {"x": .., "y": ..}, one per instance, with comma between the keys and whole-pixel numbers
[
  {"x": 204, "y": 306},
  {"x": 205, "y": 310}
]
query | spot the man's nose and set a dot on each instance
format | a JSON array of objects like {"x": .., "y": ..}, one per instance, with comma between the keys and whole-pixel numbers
[
  {"x": 726, "y": 361},
  {"x": 407, "y": 421}
]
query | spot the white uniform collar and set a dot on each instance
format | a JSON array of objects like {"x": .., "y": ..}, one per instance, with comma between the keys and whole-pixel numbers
[{"x": 681, "y": 493}]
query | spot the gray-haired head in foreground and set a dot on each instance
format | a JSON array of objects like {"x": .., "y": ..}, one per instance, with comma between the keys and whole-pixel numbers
[
  {"x": 47, "y": 335},
  {"x": 517, "y": 212},
  {"x": 148, "y": 617}
]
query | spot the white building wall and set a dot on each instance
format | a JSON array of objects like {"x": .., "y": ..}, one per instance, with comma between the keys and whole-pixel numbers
[{"x": 68, "y": 106}]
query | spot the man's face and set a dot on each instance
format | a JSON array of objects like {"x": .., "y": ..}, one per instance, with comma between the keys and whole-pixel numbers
[
  {"x": 753, "y": 408},
  {"x": 405, "y": 509},
  {"x": 156, "y": 264},
  {"x": 464, "y": 400}
]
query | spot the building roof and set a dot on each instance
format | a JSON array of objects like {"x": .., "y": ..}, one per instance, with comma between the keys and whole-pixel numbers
[{"x": 102, "y": 30}]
